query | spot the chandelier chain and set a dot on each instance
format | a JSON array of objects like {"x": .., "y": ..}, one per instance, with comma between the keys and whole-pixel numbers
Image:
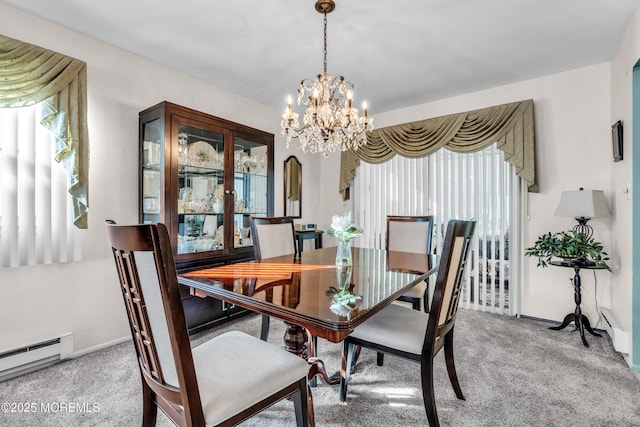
[{"x": 325, "y": 43}]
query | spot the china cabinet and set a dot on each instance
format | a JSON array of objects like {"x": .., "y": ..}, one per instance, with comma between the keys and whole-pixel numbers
[{"x": 203, "y": 177}]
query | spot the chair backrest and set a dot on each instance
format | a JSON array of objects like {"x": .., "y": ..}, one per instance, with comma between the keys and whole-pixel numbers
[
  {"x": 273, "y": 237},
  {"x": 151, "y": 294},
  {"x": 446, "y": 294},
  {"x": 409, "y": 233}
]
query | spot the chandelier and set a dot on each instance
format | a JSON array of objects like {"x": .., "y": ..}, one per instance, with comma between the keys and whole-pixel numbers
[{"x": 330, "y": 123}]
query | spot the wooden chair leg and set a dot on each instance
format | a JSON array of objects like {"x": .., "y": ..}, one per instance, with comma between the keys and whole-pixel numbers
[
  {"x": 312, "y": 346},
  {"x": 416, "y": 304},
  {"x": 428, "y": 394},
  {"x": 356, "y": 355},
  {"x": 451, "y": 367},
  {"x": 345, "y": 369},
  {"x": 301, "y": 401},
  {"x": 425, "y": 300},
  {"x": 380, "y": 359},
  {"x": 149, "y": 407},
  {"x": 264, "y": 332},
  {"x": 310, "y": 410}
]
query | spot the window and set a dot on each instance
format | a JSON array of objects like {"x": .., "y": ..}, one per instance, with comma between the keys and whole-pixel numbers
[
  {"x": 36, "y": 222},
  {"x": 450, "y": 185}
]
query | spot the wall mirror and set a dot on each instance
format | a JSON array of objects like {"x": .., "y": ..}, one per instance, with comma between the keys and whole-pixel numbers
[{"x": 293, "y": 187}]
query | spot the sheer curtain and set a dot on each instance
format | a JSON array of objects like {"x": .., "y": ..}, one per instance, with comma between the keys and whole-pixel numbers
[{"x": 450, "y": 185}]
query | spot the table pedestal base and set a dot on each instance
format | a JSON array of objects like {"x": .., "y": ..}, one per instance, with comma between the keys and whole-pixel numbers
[
  {"x": 295, "y": 341},
  {"x": 581, "y": 321}
]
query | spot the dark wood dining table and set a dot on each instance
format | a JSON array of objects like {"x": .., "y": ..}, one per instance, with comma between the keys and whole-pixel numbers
[{"x": 298, "y": 290}]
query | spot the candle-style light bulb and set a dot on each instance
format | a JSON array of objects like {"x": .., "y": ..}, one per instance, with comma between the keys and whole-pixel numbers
[
  {"x": 364, "y": 108},
  {"x": 349, "y": 98},
  {"x": 289, "y": 104}
]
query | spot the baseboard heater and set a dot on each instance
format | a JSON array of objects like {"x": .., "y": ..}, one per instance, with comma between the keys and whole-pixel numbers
[
  {"x": 619, "y": 337},
  {"x": 35, "y": 356}
]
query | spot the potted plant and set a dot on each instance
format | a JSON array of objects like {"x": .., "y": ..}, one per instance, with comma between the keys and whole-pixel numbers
[{"x": 572, "y": 246}]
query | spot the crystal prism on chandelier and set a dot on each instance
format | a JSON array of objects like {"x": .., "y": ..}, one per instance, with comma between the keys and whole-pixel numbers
[{"x": 330, "y": 123}]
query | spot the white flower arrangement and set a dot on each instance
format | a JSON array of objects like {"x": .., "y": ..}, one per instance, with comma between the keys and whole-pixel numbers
[{"x": 343, "y": 228}]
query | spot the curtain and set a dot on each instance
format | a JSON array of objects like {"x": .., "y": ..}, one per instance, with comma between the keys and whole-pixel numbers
[
  {"x": 511, "y": 126},
  {"x": 30, "y": 74}
]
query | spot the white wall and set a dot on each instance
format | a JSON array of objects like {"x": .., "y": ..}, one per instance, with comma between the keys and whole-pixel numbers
[
  {"x": 41, "y": 302},
  {"x": 572, "y": 116},
  {"x": 626, "y": 56}
]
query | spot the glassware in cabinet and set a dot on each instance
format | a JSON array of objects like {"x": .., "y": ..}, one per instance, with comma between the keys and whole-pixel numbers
[
  {"x": 200, "y": 187},
  {"x": 151, "y": 172},
  {"x": 204, "y": 177},
  {"x": 250, "y": 184}
]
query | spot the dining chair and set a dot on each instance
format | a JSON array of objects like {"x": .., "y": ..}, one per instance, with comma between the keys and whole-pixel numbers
[
  {"x": 411, "y": 234},
  {"x": 221, "y": 382},
  {"x": 272, "y": 237},
  {"x": 413, "y": 334}
]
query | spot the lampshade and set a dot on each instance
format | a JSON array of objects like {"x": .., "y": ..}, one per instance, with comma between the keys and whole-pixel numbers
[{"x": 582, "y": 204}]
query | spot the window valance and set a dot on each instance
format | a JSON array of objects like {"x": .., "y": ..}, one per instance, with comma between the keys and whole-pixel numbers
[
  {"x": 511, "y": 126},
  {"x": 30, "y": 74}
]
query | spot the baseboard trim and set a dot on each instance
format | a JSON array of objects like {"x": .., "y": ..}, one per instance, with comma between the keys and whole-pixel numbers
[{"x": 102, "y": 346}]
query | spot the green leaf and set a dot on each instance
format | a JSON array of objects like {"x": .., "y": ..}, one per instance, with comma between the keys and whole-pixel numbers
[{"x": 569, "y": 245}]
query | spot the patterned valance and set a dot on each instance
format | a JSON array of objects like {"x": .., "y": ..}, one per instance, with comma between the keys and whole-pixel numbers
[
  {"x": 511, "y": 126},
  {"x": 30, "y": 74}
]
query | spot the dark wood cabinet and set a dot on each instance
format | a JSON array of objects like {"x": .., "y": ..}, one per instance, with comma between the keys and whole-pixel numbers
[{"x": 203, "y": 177}]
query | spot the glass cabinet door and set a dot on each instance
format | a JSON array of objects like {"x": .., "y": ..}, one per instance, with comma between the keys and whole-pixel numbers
[
  {"x": 152, "y": 168},
  {"x": 203, "y": 177},
  {"x": 200, "y": 190},
  {"x": 250, "y": 187}
]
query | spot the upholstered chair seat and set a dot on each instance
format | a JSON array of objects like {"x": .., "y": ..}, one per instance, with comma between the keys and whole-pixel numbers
[
  {"x": 231, "y": 377},
  {"x": 395, "y": 327},
  {"x": 417, "y": 293}
]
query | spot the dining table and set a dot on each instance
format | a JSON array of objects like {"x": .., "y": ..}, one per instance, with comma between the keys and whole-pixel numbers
[{"x": 313, "y": 295}]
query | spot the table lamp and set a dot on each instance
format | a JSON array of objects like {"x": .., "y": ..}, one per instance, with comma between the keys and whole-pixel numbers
[{"x": 582, "y": 205}]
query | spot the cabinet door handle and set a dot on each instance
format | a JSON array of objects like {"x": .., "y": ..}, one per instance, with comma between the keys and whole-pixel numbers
[{"x": 229, "y": 192}]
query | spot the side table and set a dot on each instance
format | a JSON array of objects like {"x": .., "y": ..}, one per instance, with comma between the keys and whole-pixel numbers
[
  {"x": 580, "y": 320},
  {"x": 301, "y": 236}
]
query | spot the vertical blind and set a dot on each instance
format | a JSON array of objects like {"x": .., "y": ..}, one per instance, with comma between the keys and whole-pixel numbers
[
  {"x": 450, "y": 185},
  {"x": 36, "y": 222}
]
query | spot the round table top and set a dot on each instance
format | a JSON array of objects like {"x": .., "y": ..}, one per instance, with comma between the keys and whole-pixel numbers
[{"x": 575, "y": 263}]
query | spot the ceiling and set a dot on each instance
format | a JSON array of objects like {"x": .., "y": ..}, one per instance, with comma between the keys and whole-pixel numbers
[{"x": 397, "y": 53}]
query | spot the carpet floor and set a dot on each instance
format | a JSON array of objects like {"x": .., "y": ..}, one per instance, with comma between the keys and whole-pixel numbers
[{"x": 513, "y": 372}]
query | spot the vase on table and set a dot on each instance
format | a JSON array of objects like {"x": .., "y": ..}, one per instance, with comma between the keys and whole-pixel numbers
[{"x": 343, "y": 252}]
